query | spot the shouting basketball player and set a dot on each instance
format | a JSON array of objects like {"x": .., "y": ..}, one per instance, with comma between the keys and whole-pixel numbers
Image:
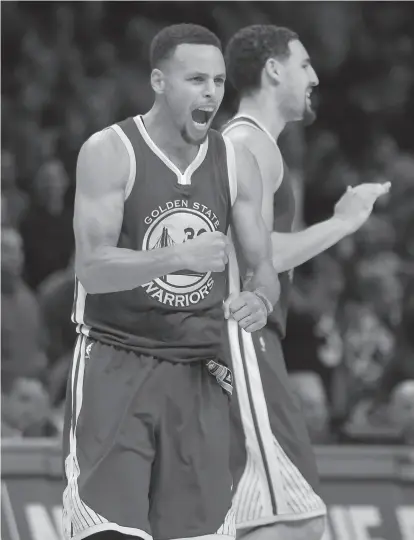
[{"x": 147, "y": 439}]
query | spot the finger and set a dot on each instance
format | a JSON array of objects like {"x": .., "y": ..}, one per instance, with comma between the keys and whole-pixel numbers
[
  {"x": 237, "y": 303},
  {"x": 247, "y": 321},
  {"x": 241, "y": 314},
  {"x": 253, "y": 327},
  {"x": 226, "y": 305},
  {"x": 372, "y": 189},
  {"x": 253, "y": 320},
  {"x": 386, "y": 187},
  {"x": 218, "y": 267},
  {"x": 380, "y": 189}
]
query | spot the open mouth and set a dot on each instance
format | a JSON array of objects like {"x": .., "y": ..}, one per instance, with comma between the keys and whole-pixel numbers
[
  {"x": 202, "y": 115},
  {"x": 308, "y": 97}
]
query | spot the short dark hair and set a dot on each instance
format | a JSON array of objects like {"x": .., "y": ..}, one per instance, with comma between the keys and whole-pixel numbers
[
  {"x": 167, "y": 40},
  {"x": 250, "y": 48}
]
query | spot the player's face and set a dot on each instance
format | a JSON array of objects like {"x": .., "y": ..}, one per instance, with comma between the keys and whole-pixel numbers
[
  {"x": 299, "y": 79},
  {"x": 194, "y": 88}
]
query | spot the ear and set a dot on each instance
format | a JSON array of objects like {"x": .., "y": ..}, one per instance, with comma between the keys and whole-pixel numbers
[
  {"x": 157, "y": 81},
  {"x": 273, "y": 69}
]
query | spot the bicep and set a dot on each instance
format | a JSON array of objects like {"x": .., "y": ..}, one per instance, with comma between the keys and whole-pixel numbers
[
  {"x": 101, "y": 178},
  {"x": 248, "y": 224},
  {"x": 267, "y": 166}
]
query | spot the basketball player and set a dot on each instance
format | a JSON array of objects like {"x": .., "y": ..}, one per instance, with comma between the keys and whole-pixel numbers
[
  {"x": 147, "y": 438},
  {"x": 276, "y": 482}
]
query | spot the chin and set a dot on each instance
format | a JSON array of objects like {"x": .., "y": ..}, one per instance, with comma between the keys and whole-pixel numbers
[
  {"x": 195, "y": 140},
  {"x": 309, "y": 116}
]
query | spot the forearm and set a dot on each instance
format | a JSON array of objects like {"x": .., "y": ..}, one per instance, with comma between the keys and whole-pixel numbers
[
  {"x": 293, "y": 249},
  {"x": 264, "y": 278},
  {"x": 112, "y": 269}
]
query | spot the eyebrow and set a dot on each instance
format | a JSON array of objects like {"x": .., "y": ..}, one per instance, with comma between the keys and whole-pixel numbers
[{"x": 201, "y": 74}]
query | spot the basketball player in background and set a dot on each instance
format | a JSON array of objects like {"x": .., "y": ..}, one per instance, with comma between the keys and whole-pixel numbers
[
  {"x": 276, "y": 483},
  {"x": 147, "y": 434}
]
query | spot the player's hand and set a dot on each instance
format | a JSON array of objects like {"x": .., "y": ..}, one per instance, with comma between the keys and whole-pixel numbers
[
  {"x": 209, "y": 252},
  {"x": 355, "y": 206},
  {"x": 247, "y": 309}
]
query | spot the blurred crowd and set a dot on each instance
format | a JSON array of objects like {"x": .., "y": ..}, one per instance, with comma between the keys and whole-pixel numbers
[{"x": 70, "y": 69}]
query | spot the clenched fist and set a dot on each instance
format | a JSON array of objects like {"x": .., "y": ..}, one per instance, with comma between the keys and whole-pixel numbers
[
  {"x": 248, "y": 309},
  {"x": 356, "y": 205},
  {"x": 209, "y": 252}
]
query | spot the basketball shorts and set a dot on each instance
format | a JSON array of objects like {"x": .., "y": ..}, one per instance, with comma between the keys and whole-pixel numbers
[
  {"x": 272, "y": 460},
  {"x": 146, "y": 447}
]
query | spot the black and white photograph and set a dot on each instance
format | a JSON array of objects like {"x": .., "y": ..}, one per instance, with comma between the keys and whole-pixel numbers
[{"x": 207, "y": 270}]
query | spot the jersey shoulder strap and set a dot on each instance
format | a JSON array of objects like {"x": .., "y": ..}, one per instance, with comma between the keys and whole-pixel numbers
[{"x": 247, "y": 120}]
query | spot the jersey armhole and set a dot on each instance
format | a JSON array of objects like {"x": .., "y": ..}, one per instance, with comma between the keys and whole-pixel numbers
[
  {"x": 282, "y": 171},
  {"x": 132, "y": 160},
  {"x": 231, "y": 168}
]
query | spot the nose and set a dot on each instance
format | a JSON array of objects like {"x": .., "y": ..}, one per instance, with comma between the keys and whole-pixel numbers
[
  {"x": 209, "y": 88},
  {"x": 314, "y": 80}
]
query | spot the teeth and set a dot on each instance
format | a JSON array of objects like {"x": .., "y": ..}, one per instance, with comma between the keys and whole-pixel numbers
[{"x": 207, "y": 109}]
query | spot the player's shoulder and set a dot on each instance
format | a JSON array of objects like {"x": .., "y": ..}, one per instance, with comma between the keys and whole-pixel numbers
[
  {"x": 256, "y": 140},
  {"x": 104, "y": 159},
  {"x": 263, "y": 148},
  {"x": 106, "y": 142}
]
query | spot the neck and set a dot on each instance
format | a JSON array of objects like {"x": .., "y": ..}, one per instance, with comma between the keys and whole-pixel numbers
[
  {"x": 165, "y": 135},
  {"x": 264, "y": 107}
]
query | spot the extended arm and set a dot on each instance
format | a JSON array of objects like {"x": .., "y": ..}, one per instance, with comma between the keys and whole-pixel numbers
[
  {"x": 351, "y": 211},
  {"x": 101, "y": 180},
  {"x": 293, "y": 249}
]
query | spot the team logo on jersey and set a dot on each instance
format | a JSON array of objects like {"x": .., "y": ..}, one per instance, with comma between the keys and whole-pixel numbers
[
  {"x": 176, "y": 223},
  {"x": 88, "y": 349}
]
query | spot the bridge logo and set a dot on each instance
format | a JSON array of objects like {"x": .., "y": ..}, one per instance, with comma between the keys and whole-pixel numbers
[{"x": 184, "y": 287}]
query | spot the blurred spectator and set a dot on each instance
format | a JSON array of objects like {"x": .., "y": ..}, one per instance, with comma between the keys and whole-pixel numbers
[
  {"x": 15, "y": 201},
  {"x": 23, "y": 335},
  {"x": 55, "y": 295},
  {"x": 401, "y": 367},
  {"x": 26, "y": 410},
  {"x": 311, "y": 393},
  {"x": 47, "y": 226},
  {"x": 402, "y": 410},
  {"x": 387, "y": 423}
]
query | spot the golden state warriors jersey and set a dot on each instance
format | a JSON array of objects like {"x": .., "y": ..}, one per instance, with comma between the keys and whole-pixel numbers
[{"x": 178, "y": 316}]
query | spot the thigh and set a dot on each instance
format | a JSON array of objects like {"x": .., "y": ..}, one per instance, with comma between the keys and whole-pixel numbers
[
  {"x": 191, "y": 485},
  {"x": 111, "y": 446},
  {"x": 272, "y": 459},
  {"x": 284, "y": 407},
  {"x": 111, "y": 405}
]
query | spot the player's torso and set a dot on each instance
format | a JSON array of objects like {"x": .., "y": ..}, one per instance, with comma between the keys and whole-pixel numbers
[
  {"x": 177, "y": 316},
  {"x": 283, "y": 212}
]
